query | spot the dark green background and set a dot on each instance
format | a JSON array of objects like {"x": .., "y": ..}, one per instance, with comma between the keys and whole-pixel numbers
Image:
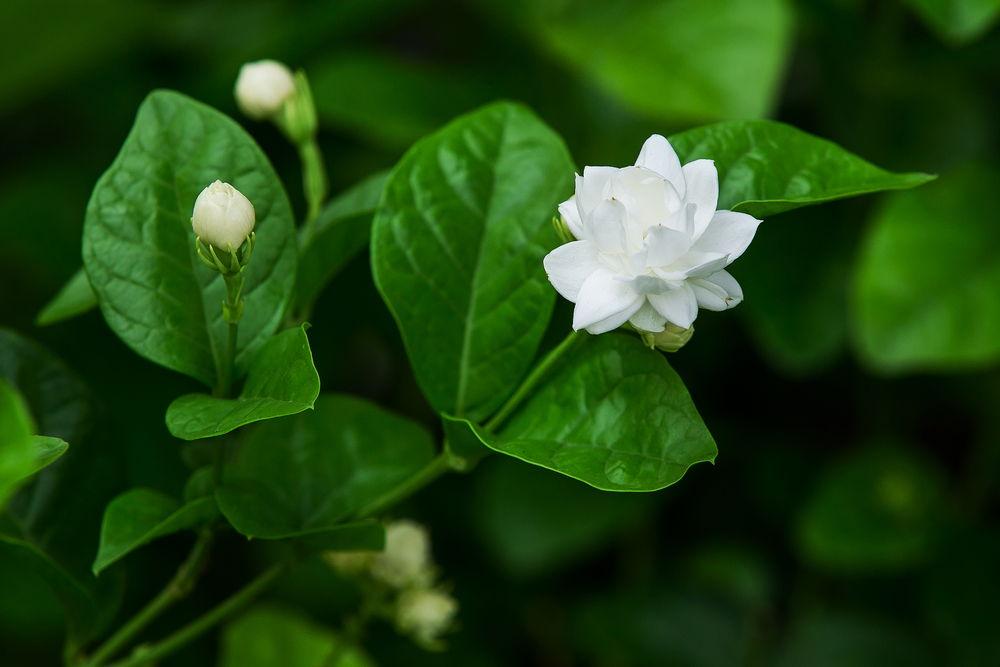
[{"x": 851, "y": 516}]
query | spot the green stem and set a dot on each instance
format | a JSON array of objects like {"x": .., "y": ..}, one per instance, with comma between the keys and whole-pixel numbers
[
  {"x": 534, "y": 377},
  {"x": 232, "y": 311},
  {"x": 178, "y": 588},
  {"x": 313, "y": 183},
  {"x": 439, "y": 465},
  {"x": 153, "y": 652}
]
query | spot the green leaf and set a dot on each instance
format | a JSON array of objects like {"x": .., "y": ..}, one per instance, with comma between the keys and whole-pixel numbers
[
  {"x": 766, "y": 168},
  {"x": 310, "y": 473},
  {"x": 834, "y": 638},
  {"x": 610, "y": 413},
  {"x": 75, "y": 298},
  {"x": 927, "y": 279},
  {"x": 679, "y": 61},
  {"x": 137, "y": 517},
  {"x": 958, "y": 20},
  {"x": 16, "y": 452},
  {"x": 880, "y": 509},
  {"x": 537, "y": 530},
  {"x": 390, "y": 101},
  {"x": 266, "y": 636},
  {"x": 282, "y": 381},
  {"x": 342, "y": 230},
  {"x": 457, "y": 247},
  {"x": 46, "y": 451},
  {"x": 89, "y": 605},
  {"x": 138, "y": 246}
]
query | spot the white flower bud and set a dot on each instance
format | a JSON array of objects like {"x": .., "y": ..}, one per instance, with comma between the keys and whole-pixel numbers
[
  {"x": 222, "y": 216},
  {"x": 263, "y": 87},
  {"x": 350, "y": 562},
  {"x": 406, "y": 560},
  {"x": 425, "y": 614}
]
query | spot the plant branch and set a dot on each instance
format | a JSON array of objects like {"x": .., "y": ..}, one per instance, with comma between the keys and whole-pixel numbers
[
  {"x": 439, "y": 465},
  {"x": 152, "y": 652},
  {"x": 178, "y": 588}
]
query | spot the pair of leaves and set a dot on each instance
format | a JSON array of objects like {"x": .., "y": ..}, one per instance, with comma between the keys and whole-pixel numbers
[
  {"x": 22, "y": 453},
  {"x": 310, "y": 474},
  {"x": 457, "y": 244},
  {"x": 282, "y": 381},
  {"x": 138, "y": 246}
]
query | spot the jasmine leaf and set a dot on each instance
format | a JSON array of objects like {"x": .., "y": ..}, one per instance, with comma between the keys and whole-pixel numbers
[
  {"x": 139, "y": 516},
  {"x": 75, "y": 298},
  {"x": 766, "y": 168},
  {"x": 880, "y": 509},
  {"x": 282, "y": 381},
  {"x": 138, "y": 245},
  {"x": 267, "y": 635},
  {"x": 313, "y": 472},
  {"x": 16, "y": 452},
  {"x": 679, "y": 61},
  {"x": 342, "y": 230},
  {"x": 610, "y": 413},
  {"x": 958, "y": 20},
  {"x": 457, "y": 247},
  {"x": 926, "y": 282}
]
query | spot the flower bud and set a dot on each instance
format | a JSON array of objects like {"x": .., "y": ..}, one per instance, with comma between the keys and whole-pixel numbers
[
  {"x": 263, "y": 87},
  {"x": 425, "y": 614},
  {"x": 222, "y": 216},
  {"x": 671, "y": 339},
  {"x": 406, "y": 560},
  {"x": 351, "y": 563}
]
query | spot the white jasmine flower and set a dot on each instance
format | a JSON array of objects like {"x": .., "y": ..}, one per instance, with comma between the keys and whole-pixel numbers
[
  {"x": 651, "y": 247},
  {"x": 222, "y": 216},
  {"x": 406, "y": 560},
  {"x": 263, "y": 87},
  {"x": 425, "y": 614}
]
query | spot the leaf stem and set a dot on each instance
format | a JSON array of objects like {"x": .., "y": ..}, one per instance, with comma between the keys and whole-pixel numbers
[
  {"x": 178, "y": 588},
  {"x": 530, "y": 382},
  {"x": 437, "y": 466},
  {"x": 153, "y": 652},
  {"x": 313, "y": 182}
]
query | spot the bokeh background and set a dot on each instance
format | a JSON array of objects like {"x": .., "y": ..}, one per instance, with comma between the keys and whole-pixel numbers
[{"x": 851, "y": 516}]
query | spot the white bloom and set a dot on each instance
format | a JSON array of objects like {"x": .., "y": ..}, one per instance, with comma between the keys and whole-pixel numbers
[
  {"x": 222, "y": 216},
  {"x": 425, "y": 614},
  {"x": 262, "y": 88},
  {"x": 651, "y": 247},
  {"x": 406, "y": 560}
]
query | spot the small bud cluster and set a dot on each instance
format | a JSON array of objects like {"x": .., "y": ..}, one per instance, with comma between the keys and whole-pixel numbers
[{"x": 404, "y": 583}]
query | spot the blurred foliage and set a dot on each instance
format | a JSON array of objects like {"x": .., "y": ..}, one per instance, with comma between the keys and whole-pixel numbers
[{"x": 850, "y": 517}]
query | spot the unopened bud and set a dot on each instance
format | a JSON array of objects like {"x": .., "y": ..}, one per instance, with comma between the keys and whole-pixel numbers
[
  {"x": 263, "y": 87},
  {"x": 671, "y": 339},
  {"x": 222, "y": 216},
  {"x": 350, "y": 563},
  {"x": 425, "y": 614},
  {"x": 406, "y": 560}
]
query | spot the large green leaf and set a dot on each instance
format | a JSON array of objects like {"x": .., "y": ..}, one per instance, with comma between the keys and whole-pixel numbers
[
  {"x": 767, "y": 167},
  {"x": 138, "y": 246},
  {"x": 880, "y": 509},
  {"x": 457, "y": 247},
  {"x": 677, "y": 60},
  {"x": 282, "y": 381},
  {"x": 310, "y": 473},
  {"x": 610, "y": 413},
  {"x": 266, "y": 636},
  {"x": 958, "y": 20},
  {"x": 137, "y": 517},
  {"x": 390, "y": 101},
  {"x": 75, "y": 298},
  {"x": 927, "y": 280},
  {"x": 341, "y": 231}
]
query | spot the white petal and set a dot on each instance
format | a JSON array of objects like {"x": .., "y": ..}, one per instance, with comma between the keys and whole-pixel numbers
[
  {"x": 649, "y": 199},
  {"x": 728, "y": 233},
  {"x": 606, "y": 225},
  {"x": 665, "y": 245},
  {"x": 658, "y": 155},
  {"x": 679, "y": 305},
  {"x": 647, "y": 319},
  {"x": 571, "y": 216},
  {"x": 719, "y": 291},
  {"x": 592, "y": 188},
  {"x": 702, "y": 181},
  {"x": 569, "y": 265},
  {"x": 604, "y": 302},
  {"x": 699, "y": 264}
]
